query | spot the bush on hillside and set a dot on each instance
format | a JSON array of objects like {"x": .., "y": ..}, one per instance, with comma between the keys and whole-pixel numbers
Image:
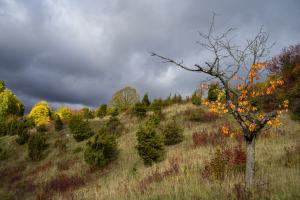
[
  {"x": 196, "y": 99},
  {"x": 150, "y": 145},
  {"x": 36, "y": 146},
  {"x": 172, "y": 132},
  {"x": 23, "y": 137},
  {"x": 80, "y": 128},
  {"x": 40, "y": 114},
  {"x": 86, "y": 113},
  {"x": 156, "y": 105},
  {"x": 213, "y": 92},
  {"x": 20, "y": 127},
  {"x": 225, "y": 161},
  {"x": 101, "y": 149},
  {"x": 140, "y": 110},
  {"x": 101, "y": 111},
  {"x": 146, "y": 100},
  {"x": 65, "y": 114},
  {"x": 154, "y": 120}
]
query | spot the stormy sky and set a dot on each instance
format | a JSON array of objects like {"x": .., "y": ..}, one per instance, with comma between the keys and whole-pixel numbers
[{"x": 75, "y": 53}]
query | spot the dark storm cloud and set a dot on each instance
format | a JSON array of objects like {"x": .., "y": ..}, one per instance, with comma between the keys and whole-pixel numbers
[{"x": 81, "y": 52}]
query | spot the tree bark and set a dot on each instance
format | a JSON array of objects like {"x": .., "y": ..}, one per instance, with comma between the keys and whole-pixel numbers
[{"x": 250, "y": 164}]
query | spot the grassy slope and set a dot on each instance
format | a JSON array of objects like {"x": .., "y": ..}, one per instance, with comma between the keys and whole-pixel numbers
[{"x": 122, "y": 179}]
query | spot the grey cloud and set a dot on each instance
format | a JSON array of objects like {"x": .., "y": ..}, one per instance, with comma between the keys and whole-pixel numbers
[{"x": 80, "y": 52}]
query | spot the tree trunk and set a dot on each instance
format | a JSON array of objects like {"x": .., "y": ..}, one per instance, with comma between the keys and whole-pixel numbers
[{"x": 250, "y": 164}]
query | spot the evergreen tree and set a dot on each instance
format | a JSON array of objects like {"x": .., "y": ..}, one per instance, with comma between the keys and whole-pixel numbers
[
  {"x": 146, "y": 100},
  {"x": 150, "y": 145}
]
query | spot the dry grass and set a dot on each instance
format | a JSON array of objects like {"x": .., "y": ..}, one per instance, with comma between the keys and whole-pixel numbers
[{"x": 177, "y": 177}]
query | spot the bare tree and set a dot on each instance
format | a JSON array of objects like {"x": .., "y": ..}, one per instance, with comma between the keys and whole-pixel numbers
[{"x": 229, "y": 61}]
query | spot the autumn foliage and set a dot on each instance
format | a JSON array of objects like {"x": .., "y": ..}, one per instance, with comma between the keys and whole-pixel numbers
[{"x": 245, "y": 103}]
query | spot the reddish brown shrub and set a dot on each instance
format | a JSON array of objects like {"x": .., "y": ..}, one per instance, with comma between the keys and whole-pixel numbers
[
  {"x": 204, "y": 138},
  {"x": 224, "y": 161}
]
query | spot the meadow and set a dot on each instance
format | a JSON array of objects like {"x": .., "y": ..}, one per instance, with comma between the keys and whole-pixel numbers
[{"x": 63, "y": 174}]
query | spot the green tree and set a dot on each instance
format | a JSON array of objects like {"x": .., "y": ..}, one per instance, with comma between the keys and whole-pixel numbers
[
  {"x": 101, "y": 149},
  {"x": 101, "y": 111},
  {"x": 80, "y": 128},
  {"x": 125, "y": 98},
  {"x": 140, "y": 110},
  {"x": 65, "y": 113},
  {"x": 172, "y": 132},
  {"x": 150, "y": 145},
  {"x": 146, "y": 100},
  {"x": 196, "y": 99},
  {"x": 40, "y": 114}
]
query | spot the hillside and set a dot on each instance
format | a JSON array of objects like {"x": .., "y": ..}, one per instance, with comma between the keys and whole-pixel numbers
[{"x": 63, "y": 174}]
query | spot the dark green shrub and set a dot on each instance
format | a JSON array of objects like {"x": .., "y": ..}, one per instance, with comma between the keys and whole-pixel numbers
[
  {"x": 196, "y": 99},
  {"x": 101, "y": 111},
  {"x": 23, "y": 126},
  {"x": 213, "y": 92},
  {"x": 23, "y": 137},
  {"x": 86, "y": 113},
  {"x": 140, "y": 110},
  {"x": 150, "y": 145},
  {"x": 157, "y": 105},
  {"x": 80, "y": 128},
  {"x": 58, "y": 124},
  {"x": 101, "y": 149},
  {"x": 172, "y": 132},
  {"x": 36, "y": 146},
  {"x": 146, "y": 100},
  {"x": 154, "y": 120}
]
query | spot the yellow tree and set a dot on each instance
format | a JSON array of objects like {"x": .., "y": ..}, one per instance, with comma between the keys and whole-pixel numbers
[
  {"x": 40, "y": 113},
  {"x": 65, "y": 113},
  {"x": 238, "y": 69}
]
